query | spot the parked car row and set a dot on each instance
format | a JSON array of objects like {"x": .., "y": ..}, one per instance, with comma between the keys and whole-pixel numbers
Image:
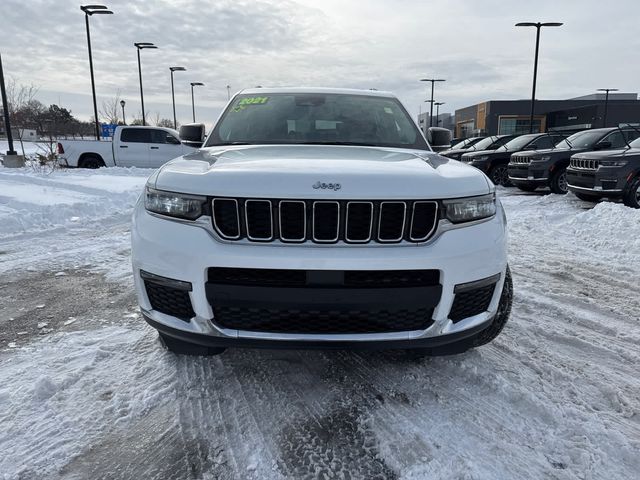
[{"x": 593, "y": 164}]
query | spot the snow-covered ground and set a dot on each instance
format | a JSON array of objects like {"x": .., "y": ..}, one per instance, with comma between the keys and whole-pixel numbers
[{"x": 91, "y": 394}]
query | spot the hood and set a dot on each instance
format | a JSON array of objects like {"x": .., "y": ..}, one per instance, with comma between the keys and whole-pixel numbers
[
  {"x": 549, "y": 152},
  {"x": 313, "y": 171},
  {"x": 610, "y": 153},
  {"x": 470, "y": 156}
]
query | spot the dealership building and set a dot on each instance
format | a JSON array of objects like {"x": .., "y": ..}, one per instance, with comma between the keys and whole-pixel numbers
[{"x": 508, "y": 117}]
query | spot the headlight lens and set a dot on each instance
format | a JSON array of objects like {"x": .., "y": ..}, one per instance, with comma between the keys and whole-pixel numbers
[
  {"x": 611, "y": 162},
  {"x": 173, "y": 204},
  {"x": 481, "y": 158},
  {"x": 468, "y": 209},
  {"x": 544, "y": 158}
]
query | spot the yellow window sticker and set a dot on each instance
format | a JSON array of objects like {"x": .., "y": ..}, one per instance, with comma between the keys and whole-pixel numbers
[{"x": 245, "y": 102}]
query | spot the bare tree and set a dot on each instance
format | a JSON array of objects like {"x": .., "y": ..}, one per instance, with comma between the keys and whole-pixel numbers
[
  {"x": 110, "y": 110},
  {"x": 20, "y": 98}
]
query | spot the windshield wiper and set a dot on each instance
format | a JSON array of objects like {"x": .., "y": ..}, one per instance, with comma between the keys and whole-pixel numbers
[
  {"x": 230, "y": 143},
  {"x": 359, "y": 144}
]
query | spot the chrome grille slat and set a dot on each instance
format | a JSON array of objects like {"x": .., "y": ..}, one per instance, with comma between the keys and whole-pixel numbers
[
  {"x": 584, "y": 163},
  {"x": 521, "y": 159},
  {"x": 324, "y": 221},
  {"x": 252, "y": 225}
]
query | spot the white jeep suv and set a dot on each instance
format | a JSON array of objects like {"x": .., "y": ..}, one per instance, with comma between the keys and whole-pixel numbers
[{"x": 320, "y": 218}]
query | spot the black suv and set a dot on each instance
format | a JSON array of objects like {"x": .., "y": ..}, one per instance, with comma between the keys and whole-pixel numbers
[
  {"x": 548, "y": 168},
  {"x": 612, "y": 174},
  {"x": 494, "y": 162},
  {"x": 461, "y": 147}
]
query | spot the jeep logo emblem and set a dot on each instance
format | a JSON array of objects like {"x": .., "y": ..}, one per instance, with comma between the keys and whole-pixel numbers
[{"x": 327, "y": 186}]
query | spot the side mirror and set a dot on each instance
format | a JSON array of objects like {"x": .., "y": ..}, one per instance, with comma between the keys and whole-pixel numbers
[
  {"x": 439, "y": 138},
  {"x": 192, "y": 134},
  {"x": 602, "y": 145}
]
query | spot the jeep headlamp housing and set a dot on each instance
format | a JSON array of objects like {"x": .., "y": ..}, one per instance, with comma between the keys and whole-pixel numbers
[
  {"x": 613, "y": 162},
  {"x": 544, "y": 158},
  {"x": 172, "y": 204},
  {"x": 461, "y": 210}
]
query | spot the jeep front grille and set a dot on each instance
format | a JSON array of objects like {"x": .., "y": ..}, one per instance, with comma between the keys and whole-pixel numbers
[
  {"x": 584, "y": 164},
  {"x": 324, "y": 221},
  {"x": 521, "y": 159}
]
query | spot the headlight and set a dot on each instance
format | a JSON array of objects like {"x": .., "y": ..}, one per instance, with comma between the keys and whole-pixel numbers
[
  {"x": 481, "y": 158},
  {"x": 544, "y": 158},
  {"x": 468, "y": 209},
  {"x": 610, "y": 162},
  {"x": 173, "y": 204}
]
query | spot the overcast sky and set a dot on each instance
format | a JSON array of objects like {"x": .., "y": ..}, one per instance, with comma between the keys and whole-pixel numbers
[{"x": 383, "y": 44}]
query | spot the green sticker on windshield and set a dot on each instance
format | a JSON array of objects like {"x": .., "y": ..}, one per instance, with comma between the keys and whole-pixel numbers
[
  {"x": 245, "y": 102},
  {"x": 388, "y": 110}
]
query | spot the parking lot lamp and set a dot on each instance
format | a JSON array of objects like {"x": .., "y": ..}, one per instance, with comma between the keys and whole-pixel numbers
[
  {"x": 90, "y": 10},
  {"x": 538, "y": 25},
  {"x": 193, "y": 104},
  {"x": 122, "y": 104},
  {"x": 173, "y": 97},
  {"x": 606, "y": 103},
  {"x": 141, "y": 46},
  {"x": 433, "y": 81},
  {"x": 438, "y": 112}
]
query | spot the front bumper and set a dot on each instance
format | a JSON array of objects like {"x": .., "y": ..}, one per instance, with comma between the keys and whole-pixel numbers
[
  {"x": 534, "y": 173},
  {"x": 604, "y": 182},
  {"x": 185, "y": 251}
]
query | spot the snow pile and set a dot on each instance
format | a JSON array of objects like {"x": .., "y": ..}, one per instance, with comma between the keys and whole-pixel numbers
[
  {"x": 34, "y": 203},
  {"x": 30, "y": 148}
]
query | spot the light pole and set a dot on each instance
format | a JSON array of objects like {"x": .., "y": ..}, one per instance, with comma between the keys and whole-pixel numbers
[
  {"x": 228, "y": 92},
  {"x": 606, "y": 103},
  {"x": 122, "y": 104},
  {"x": 5, "y": 110},
  {"x": 90, "y": 10},
  {"x": 193, "y": 104},
  {"x": 140, "y": 46},
  {"x": 433, "y": 81},
  {"x": 173, "y": 97},
  {"x": 438, "y": 112},
  {"x": 538, "y": 25}
]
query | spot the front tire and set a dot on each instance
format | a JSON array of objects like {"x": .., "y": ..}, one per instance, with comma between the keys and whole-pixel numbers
[
  {"x": 180, "y": 347},
  {"x": 632, "y": 197},
  {"x": 499, "y": 175},
  {"x": 558, "y": 183}
]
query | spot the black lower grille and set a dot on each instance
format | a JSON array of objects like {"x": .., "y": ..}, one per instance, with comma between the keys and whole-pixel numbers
[
  {"x": 168, "y": 300},
  {"x": 322, "y": 321},
  {"x": 300, "y": 278},
  {"x": 471, "y": 302}
]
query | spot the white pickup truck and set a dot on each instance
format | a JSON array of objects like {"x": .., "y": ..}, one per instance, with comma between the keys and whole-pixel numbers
[{"x": 145, "y": 147}]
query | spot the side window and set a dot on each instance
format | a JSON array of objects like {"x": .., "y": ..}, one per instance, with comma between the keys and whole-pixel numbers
[
  {"x": 543, "y": 143},
  {"x": 160, "y": 136},
  {"x": 135, "y": 135},
  {"x": 616, "y": 139},
  {"x": 632, "y": 134}
]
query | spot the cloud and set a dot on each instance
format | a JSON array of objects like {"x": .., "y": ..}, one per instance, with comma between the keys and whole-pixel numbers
[{"x": 375, "y": 44}]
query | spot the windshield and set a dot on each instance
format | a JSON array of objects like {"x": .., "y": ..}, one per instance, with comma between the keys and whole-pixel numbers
[
  {"x": 583, "y": 139},
  {"x": 485, "y": 143},
  {"x": 518, "y": 143},
  {"x": 466, "y": 143},
  {"x": 316, "y": 118},
  {"x": 635, "y": 143}
]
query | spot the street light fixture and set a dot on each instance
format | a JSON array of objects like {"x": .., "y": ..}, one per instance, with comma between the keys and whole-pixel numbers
[
  {"x": 228, "y": 92},
  {"x": 437, "y": 104},
  {"x": 140, "y": 46},
  {"x": 122, "y": 104},
  {"x": 90, "y": 10},
  {"x": 173, "y": 97},
  {"x": 433, "y": 81},
  {"x": 606, "y": 103},
  {"x": 193, "y": 105},
  {"x": 538, "y": 25}
]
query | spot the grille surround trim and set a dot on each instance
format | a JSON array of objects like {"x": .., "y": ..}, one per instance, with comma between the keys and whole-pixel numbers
[
  {"x": 313, "y": 228},
  {"x": 346, "y": 223},
  {"x": 246, "y": 219},
  {"x": 215, "y": 224}
]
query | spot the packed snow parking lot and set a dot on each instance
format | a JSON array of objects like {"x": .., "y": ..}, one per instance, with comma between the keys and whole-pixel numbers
[{"x": 88, "y": 392}]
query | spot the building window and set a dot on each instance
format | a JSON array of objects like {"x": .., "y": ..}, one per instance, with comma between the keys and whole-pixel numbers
[{"x": 510, "y": 125}]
